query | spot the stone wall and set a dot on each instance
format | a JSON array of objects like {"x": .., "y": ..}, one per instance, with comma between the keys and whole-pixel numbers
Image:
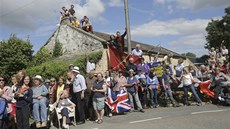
[
  {"x": 73, "y": 42},
  {"x": 103, "y": 64}
]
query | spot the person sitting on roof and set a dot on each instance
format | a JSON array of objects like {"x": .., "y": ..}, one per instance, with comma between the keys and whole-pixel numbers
[
  {"x": 137, "y": 51},
  {"x": 64, "y": 13},
  {"x": 86, "y": 25},
  {"x": 75, "y": 22}
]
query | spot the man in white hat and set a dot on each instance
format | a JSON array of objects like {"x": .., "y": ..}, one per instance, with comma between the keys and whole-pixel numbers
[
  {"x": 79, "y": 88},
  {"x": 40, "y": 93}
]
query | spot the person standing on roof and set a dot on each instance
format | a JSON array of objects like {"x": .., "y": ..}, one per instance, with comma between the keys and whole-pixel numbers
[
  {"x": 71, "y": 13},
  {"x": 120, "y": 40}
]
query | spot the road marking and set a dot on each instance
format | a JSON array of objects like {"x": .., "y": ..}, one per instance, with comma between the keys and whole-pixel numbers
[
  {"x": 193, "y": 113},
  {"x": 157, "y": 118}
]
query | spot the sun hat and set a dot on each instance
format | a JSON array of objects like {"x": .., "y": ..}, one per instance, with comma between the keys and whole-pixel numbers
[
  {"x": 76, "y": 69},
  {"x": 38, "y": 77}
]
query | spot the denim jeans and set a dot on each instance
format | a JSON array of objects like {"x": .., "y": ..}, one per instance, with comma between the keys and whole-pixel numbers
[
  {"x": 192, "y": 88},
  {"x": 135, "y": 96},
  {"x": 153, "y": 97},
  {"x": 39, "y": 107},
  {"x": 168, "y": 94}
]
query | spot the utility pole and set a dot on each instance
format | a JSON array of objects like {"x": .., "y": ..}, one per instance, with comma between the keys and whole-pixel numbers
[{"x": 127, "y": 25}]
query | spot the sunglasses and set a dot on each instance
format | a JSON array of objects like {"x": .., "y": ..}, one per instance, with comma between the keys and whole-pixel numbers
[
  {"x": 2, "y": 80},
  {"x": 52, "y": 81}
]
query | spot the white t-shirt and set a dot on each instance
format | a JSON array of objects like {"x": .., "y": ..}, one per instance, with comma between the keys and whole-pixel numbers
[
  {"x": 65, "y": 103},
  {"x": 137, "y": 53},
  {"x": 225, "y": 52},
  {"x": 90, "y": 67},
  {"x": 107, "y": 81},
  {"x": 187, "y": 79}
]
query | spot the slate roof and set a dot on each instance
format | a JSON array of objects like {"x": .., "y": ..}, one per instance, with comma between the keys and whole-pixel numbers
[{"x": 145, "y": 47}]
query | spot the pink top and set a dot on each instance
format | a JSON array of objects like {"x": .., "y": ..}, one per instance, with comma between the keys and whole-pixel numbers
[{"x": 8, "y": 95}]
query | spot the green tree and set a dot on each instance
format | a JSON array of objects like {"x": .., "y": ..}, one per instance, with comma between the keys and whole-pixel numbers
[
  {"x": 57, "y": 49},
  {"x": 203, "y": 59},
  {"x": 41, "y": 56},
  {"x": 15, "y": 55},
  {"x": 189, "y": 54},
  {"x": 218, "y": 31}
]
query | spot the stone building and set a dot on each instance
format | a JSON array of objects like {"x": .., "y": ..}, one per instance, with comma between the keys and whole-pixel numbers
[{"x": 76, "y": 42}]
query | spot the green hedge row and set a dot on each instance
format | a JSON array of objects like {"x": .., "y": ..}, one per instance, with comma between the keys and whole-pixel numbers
[{"x": 55, "y": 68}]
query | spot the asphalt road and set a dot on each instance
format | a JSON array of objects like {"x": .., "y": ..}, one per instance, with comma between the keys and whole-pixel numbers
[{"x": 189, "y": 117}]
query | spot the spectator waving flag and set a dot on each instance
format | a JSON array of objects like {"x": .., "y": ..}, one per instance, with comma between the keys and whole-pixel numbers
[
  {"x": 118, "y": 59},
  {"x": 204, "y": 87},
  {"x": 118, "y": 103}
]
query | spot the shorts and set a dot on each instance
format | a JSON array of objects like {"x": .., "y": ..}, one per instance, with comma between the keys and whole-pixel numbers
[{"x": 98, "y": 103}]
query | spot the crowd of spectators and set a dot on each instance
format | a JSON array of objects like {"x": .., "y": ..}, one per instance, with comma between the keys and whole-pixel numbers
[{"x": 144, "y": 82}]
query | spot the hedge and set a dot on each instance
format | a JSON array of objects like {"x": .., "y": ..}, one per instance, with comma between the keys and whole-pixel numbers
[{"x": 56, "y": 68}]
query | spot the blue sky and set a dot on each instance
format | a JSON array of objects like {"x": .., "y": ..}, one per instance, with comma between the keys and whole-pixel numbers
[{"x": 178, "y": 25}]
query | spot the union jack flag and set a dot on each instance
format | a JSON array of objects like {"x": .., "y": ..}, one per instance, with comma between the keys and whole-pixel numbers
[{"x": 118, "y": 103}]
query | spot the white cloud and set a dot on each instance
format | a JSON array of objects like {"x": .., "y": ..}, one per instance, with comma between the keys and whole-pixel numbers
[
  {"x": 93, "y": 9},
  {"x": 160, "y": 1},
  {"x": 190, "y": 43},
  {"x": 194, "y": 4},
  {"x": 198, "y": 4},
  {"x": 196, "y": 40},
  {"x": 180, "y": 35},
  {"x": 148, "y": 12},
  {"x": 30, "y": 15},
  {"x": 171, "y": 27},
  {"x": 115, "y": 3}
]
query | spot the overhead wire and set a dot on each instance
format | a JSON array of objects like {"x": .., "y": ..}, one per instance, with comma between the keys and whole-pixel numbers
[{"x": 21, "y": 7}]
